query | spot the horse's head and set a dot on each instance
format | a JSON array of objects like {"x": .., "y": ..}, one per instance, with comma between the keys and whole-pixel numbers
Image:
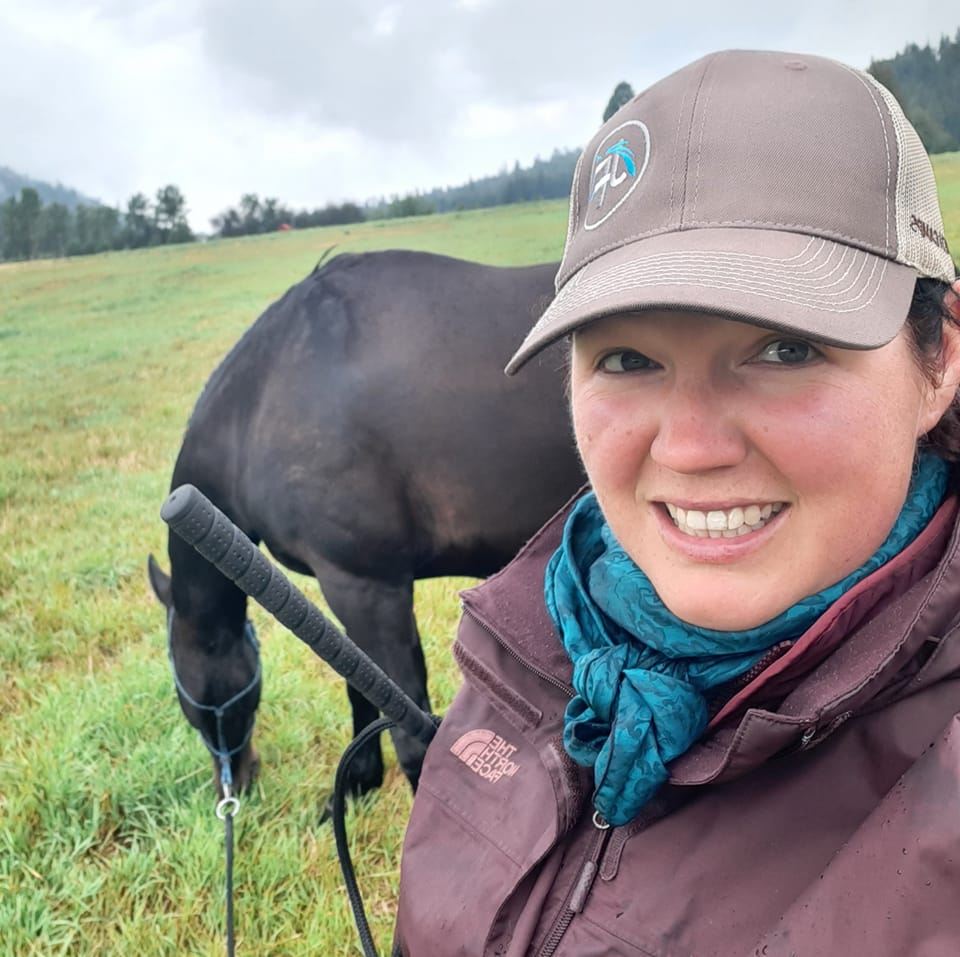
[{"x": 215, "y": 662}]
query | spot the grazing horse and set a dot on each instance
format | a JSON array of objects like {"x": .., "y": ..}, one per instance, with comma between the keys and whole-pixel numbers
[{"x": 364, "y": 431}]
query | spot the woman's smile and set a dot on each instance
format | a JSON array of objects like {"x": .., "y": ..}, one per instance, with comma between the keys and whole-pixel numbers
[{"x": 747, "y": 529}]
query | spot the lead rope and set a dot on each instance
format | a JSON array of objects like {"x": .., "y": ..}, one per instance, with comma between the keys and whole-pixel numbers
[
  {"x": 228, "y": 806},
  {"x": 340, "y": 834}
]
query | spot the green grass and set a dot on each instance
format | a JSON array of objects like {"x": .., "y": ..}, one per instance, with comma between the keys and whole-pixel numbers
[{"x": 108, "y": 843}]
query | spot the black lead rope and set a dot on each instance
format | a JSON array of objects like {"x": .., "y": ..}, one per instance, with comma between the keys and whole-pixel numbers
[
  {"x": 340, "y": 833},
  {"x": 226, "y": 811},
  {"x": 229, "y": 804}
]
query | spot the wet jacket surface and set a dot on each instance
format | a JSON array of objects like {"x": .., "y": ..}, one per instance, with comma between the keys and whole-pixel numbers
[{"x": 819, "y": 815}]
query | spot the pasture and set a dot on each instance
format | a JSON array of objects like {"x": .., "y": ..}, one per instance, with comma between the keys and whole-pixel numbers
[{"x": 108, "y": 842}]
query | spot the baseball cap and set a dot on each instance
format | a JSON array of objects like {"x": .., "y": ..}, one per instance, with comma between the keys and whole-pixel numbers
[{"x": 780, "y": 189}]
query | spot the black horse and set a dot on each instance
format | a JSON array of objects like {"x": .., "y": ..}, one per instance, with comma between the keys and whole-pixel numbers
[{"x": 363, "y": 430}]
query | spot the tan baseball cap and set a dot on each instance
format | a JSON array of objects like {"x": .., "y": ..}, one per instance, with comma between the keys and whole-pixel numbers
[{"x": 784, "y": 190}]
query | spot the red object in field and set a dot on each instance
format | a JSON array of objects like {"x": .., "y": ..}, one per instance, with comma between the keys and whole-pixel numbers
[{"x": 284, "y": 228}]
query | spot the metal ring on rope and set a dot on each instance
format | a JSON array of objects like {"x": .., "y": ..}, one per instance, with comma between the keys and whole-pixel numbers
[{"x": 227, "y": 807}]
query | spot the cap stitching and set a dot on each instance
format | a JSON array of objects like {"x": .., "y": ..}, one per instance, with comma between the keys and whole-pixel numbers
[
  {"x": 686, "y": 161},
  {"x": 676, "y": 149},
  {"x": 781, "y": 269},
  {"x": 703, "y": 123},
  {"x": 621, "y": 282},
  {"x": 705, "y": 223},
  {"x": 886, "y": 146},
  {"x": 811, "y": 292},
  {"x": 732, "y": 264}
]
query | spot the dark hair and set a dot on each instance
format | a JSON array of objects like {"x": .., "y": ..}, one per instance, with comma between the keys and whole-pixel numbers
[{"x": 925, "y": 321}]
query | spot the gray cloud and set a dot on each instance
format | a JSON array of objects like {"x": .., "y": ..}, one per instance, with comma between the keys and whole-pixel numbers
[{"x": 316, "y": 102}]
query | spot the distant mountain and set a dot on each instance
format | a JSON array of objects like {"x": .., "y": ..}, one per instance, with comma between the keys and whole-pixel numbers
[{"x": 11, "y": 183}]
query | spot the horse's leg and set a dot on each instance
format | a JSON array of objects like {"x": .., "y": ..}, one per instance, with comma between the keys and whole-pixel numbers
[{"x": 378, "y": 616}]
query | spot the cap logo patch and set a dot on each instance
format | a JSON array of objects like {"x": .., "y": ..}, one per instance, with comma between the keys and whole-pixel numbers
[{"x": 618, "y": 166}]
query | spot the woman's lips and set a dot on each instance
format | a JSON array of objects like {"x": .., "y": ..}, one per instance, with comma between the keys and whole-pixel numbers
[{"x": 718, "y": 544}]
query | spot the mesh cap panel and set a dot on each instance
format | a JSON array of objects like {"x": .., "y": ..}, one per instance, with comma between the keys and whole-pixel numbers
[{"x": 919, "y": 223}]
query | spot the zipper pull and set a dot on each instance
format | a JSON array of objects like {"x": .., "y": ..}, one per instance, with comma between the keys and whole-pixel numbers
[{"x": 588, "y": 872}]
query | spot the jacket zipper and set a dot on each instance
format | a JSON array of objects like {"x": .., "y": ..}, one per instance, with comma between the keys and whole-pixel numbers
[
  {"x": 550, "y": 679},
  {"x": 578, "y": 894}
]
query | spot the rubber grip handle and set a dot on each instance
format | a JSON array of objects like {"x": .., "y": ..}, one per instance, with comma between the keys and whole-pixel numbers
[{"x": 201, "y": 524}]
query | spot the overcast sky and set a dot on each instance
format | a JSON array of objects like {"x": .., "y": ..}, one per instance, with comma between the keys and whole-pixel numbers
[{"x": 316, "y": 102}]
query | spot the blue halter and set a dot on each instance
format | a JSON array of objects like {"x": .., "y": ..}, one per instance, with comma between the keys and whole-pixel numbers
[{"x": 219, "y": 750}]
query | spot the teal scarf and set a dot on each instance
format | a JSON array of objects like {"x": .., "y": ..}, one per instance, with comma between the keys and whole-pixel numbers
[{"x": 640, "y": 673}]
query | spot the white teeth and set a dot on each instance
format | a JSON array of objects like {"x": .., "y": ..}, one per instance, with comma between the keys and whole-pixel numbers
[
  {"x": 696, "y": 520},
  {"x": 716, "y": 523}
]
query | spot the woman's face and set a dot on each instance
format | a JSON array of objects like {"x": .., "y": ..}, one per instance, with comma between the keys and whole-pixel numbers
[{"x": 744, "y": 469}]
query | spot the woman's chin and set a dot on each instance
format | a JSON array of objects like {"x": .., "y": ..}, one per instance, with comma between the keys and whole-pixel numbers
[{"x": 725, "y": 611}]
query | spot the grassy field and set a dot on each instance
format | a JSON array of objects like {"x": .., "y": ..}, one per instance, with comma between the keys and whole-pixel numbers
[{"x": 108, "y": 843}]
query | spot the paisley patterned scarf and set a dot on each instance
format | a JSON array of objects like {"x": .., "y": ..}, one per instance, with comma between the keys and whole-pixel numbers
[{"x": 640, "y": 673}]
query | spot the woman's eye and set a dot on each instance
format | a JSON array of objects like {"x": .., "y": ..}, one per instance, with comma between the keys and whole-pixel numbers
[
  {"x": 626, "y": 360},
  {"x": 788, "y": 352}
]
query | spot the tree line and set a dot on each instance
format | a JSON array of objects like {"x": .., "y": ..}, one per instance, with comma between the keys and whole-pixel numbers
[
  {"x": 543, "y": 179},
  {"x": 30, "y": 228},
  {"x": 255, "y": 215},
  {"x": 926, "y": 81}
]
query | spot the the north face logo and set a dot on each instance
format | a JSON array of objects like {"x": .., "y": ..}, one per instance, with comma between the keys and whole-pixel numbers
[{"x": 486, "y": 754}]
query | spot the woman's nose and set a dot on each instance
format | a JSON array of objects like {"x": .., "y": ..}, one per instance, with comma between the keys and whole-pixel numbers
[{"x": 698, "y": 431}]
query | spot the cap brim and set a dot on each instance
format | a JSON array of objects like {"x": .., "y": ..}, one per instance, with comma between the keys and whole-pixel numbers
[{"x": 824, "y": 289}]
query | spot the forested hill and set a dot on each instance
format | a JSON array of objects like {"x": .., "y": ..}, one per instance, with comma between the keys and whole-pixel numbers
[
  {"x": 11, "y": 183},
  {"x": 926, "y": 81}
]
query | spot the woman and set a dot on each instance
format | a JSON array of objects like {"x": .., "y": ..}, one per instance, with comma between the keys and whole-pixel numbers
[{"x": 710, "y": 708}]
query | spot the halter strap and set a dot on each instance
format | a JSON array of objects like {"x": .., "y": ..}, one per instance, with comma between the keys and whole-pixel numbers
[{"x": 220, "y": 750}]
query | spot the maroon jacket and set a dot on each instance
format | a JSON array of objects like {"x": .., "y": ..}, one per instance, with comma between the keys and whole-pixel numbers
[{"x": 824, "y": 822}]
